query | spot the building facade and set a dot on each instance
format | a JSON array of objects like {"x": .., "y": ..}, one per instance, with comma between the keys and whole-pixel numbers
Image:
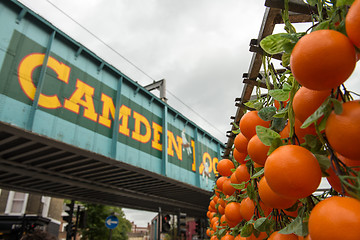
[
  {"x": 139, "y": 233},
  {"x": 21, "y": 211}
]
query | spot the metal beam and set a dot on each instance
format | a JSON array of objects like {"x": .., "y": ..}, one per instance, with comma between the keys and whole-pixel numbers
[
  {"x": 115, "y": 133},
  {"x": 161, "y": 85},
  {"x": 147, "y": 190},
  {"x": 164, "y": 141},
  {"x": 40, "y": 84},
  {"x": 91, "y": 186}
]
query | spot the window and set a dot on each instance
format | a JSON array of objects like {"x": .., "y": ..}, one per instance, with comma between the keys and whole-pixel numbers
[
  {"x": 46, "y": 205},
  {"x": 16, "y": 203}
]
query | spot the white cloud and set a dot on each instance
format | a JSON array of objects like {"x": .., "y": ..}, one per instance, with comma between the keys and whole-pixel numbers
[{"x": 140, "y": 218}]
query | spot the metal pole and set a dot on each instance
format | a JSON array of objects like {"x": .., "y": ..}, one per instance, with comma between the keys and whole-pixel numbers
[
  {"x": 110, "y": 234},
  {"x": 163, "y": 90},
  {"x": 77, "y": 221},
  {"x": 164, "y": 142},
  {"x": 159, "y": 224},
  {"x": 173, "y": 226},
  {"x": 70, "y": 223}
]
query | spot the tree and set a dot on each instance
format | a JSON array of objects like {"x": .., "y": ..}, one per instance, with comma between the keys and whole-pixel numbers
[{"x": 95, "y": 228}]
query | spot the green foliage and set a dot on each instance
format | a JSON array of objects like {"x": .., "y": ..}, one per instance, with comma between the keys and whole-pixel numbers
[
  {"x": 255, "y": 104},
  {"x": 280, "y": 94},
  {"x": 351, "y": 184},
  {"x": 258, "y": 174},
  {"x": 262, "y": 224},
  {"x": 298, "y": 227},
  {"x": 341, "y": 3},
  {"x": 324, "y": 162},
  {"x": 247, "y": 230},
  {"x": 278, "y": 124},
  {"x": 285, "y": 16},
  {"x": 95, "y": 224},
  {"x": 267, "y": 113},
  {"x": 266, "y": 135},
  {"x": 238, "y": 186},
  {"x": 280, "y": 42},
  {"x": 324, "y": 109}
]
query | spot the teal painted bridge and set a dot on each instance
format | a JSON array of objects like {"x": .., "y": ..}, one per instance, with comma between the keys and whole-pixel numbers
[{"x": 73, "y": 126}]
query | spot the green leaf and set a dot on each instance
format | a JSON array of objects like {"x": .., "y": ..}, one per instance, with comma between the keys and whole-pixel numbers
[
  {"x": 262, "y": 224},
  {"x": 337, "y": 106},
  {"x": 279, "y": 94},
  {"x": 266, "y": 135},
  {"x": 322, "y": 25},
  {"x": 312, "y": 2},
  {"x": 236, "y": 131},
  {"x": 258, "y": 174},
  {"x": 293, "y": 208},
  {"x": 351, "y": 184},
  {"x": 341, "y": 28},
  {"x": 248, "y": 164},
  {"x": 222, "y": 231},
  {"x": 317, "y": 114},
  {"x": 297, "y": 227},
  {"x": 287, "y": 87},
  {"x": 278, "y": 124},
  {"x": 274, "y": 44},
  {"x": 288, "y": 47},
  {"x": 256, "y": 233},
  {"x": 285, "y": 16},
  {"x": 250, "y": 103},
  {"x": 274, "y": 145},
  {"x": 341, "y": 3},
  {"x": 312, "y": 141},
  {"x": 250, "y": 191},
  {"x": 238, "y": 186},
  {"x": 282, "y": 113},
  {"x": 247, "y": 230},
  {"x": 322, "y": 124},
  {"x": 267, "y": 113},
  {"x": 285, "y": 59},
  {"x": 258, "y": 105},
  {"x": 324, "y": 162},
  {"x": 231, "y": 198}
]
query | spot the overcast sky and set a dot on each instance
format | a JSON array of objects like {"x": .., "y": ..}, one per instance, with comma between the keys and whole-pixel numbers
[{"x": 201, "y": 47}]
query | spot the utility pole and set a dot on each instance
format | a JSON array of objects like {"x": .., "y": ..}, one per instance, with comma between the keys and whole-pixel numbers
[
  {"x": 70, "y": 211},
  {"x": 159, "y": 224}
]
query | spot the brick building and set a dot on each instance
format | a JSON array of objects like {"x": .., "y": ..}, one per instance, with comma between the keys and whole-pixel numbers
[{"x": 20, "y": 210}]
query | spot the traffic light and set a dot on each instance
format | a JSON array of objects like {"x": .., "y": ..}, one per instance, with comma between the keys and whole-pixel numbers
[
  {"x": 69, "y": 209},
  {"x": 82, "y": 219},
  {"x": 181, "y": 223},
  {"x": 198, "y": 226},
  {"x": 165, "y": 224}
]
